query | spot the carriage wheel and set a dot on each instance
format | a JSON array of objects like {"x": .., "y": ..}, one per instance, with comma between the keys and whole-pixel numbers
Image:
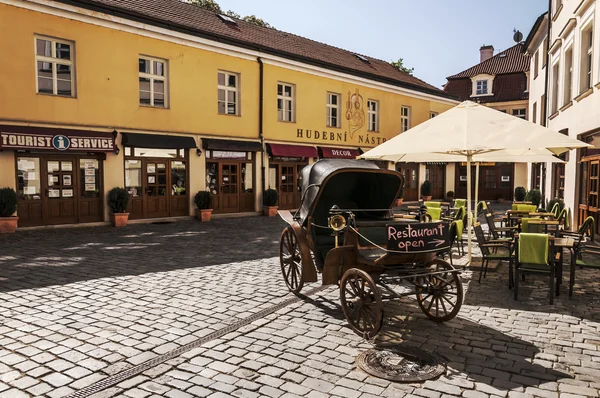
[
  {"x": 361, "y": 303},
  {"x": 291, "y": 261},
  {"x": 440, "y": 296}
]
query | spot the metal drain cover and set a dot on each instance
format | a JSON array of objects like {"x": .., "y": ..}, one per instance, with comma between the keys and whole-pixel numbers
[{"x": 403, "y": 364}]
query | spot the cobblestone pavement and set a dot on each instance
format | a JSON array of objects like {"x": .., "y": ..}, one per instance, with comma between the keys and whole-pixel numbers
[{"x": 80, "y": 305}]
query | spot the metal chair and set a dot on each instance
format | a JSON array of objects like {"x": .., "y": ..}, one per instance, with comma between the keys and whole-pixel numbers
[
  {"x": 534, "y": 254},
  {"x": 487, "y": 254}
]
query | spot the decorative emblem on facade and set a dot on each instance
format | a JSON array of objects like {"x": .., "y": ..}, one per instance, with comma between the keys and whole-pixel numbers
[
  {"x": 355, "y": 112},
  {"x": 61, "y": 142}
]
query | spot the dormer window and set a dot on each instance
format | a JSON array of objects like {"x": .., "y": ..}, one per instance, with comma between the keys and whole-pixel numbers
[{"x": 482, "y": 85}]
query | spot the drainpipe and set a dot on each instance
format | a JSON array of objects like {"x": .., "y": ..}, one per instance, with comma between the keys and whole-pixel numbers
[
  {"x": 545, "y": 105},
  {"x": 260, "y": 119}
]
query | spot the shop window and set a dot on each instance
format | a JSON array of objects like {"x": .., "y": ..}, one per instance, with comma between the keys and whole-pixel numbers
[
  {"x": 212, "y": 177},
  {"x": 228, "y": 100},
  {"x": 520, "y": 113},
  {"x": 373, "y": 115},
  {"x": 247, "y": 180},
  {"x": 29, "y": 178},
  {"x": 54, "y": 67},
  {"x": 285, "y": 102},
  {"x": 158, "y": 153},
  {"x": 133, "y": 177},
  {"x": 333, "y": 110},
  {"x": 405, "y": 115},
  {"x": 89, "y": 178},
  {"x": 153, "y": 82},
  {"x": 178, "y": 178},
  {"x": 585, "y": 75}
]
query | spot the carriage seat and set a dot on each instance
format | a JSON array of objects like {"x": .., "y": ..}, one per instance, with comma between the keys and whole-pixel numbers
[{"x": 369, "y": 256}]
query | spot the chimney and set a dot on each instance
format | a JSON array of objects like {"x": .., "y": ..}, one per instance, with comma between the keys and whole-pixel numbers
[{"x": 485, "y": 53}]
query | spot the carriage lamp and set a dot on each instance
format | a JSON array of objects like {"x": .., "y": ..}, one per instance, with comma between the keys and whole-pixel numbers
[{"x": 337, "y": 222}]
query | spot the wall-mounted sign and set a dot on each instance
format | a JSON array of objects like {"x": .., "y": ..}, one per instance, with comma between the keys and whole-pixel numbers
[
  {"x": 463, "y": 178},
  {"x": 505, "y": 178},
  {"x": 90, "y": 142}
]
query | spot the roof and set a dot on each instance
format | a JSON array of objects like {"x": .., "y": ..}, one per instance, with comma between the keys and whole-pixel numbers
[
  {"x": 506, "y": 87},
  {"x": 511, "y": 60},
  {"x": 533, "y": 31},
  {"x": 180, "y": 16}
]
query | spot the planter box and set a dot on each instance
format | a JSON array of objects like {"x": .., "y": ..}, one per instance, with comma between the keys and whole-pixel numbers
[
  {"x": 203, "y": 214},
  {"x": 270, "y": 211},
  {"x": 119, "y": 219},
  {"x": 8, "y": 225}
]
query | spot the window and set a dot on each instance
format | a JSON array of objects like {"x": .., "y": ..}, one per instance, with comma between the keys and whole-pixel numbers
[
  {"x": 373, "y": 113},
  {"x": 555, "y": 85},
  {"x": 482, "y": 87},
  {"x": 526, "y": 82},
  {"x": 585, "y": 79},
  {"x": 405, "y": 118},
  {"x": 568, "y": 79},
  {"x": 227, "y": 103},
  {"x": 543, "y": 106},
  {"x": 534, "y": 112},
  {"x": 285, "y": 102},
  {"x": 333, "y": 110},
  {"x": 433, "y": 114},
  {"x": 520, "y": 113},
  {"x": 544, "y": 53},
  {"x": 54, "y": 66},
  {"x": 536, "y": 61},
  {"x": 153, "y": 82}
]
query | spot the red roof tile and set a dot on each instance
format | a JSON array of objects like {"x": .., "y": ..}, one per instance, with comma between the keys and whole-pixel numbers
[
  {"x": 508, "y": 61},
  {"x": 180, "y": 16},
  {"x": 507, "y": 87}
]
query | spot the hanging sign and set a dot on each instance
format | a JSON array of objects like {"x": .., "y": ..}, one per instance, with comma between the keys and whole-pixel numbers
[{"x": 418, "y": 237}]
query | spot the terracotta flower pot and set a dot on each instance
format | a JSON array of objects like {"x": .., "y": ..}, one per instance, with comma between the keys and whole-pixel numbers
[
  {"x": 203, "y": 214},
  {"x": 270, "y": 211},
  {"x": 119, "y": 219},
  {"x": 8, "y": 225}
]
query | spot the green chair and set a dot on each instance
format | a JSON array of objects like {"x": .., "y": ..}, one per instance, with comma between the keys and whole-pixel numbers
[
  {"x": 586, "y": 254},
  {"x": 433, "y": 204},
  {"x": 434, "y": 212},
  {"x": 494, "y": 231},
  {"x": 453, "y": 232},
  {"x": 532, "y": 229},
  {"x": 555, "y": 210},
  {"x": 460, "y": 227},
  {"x": 514, "y": 206},
  {"x": 563, "y": 218},
  {"x": 489, "y": 252},
  {"x": 535, "y": 255},
  {"x": 529, "y": 208},
  {"x": 587, "y": 228},
  {"x": 460, "y": 203}
]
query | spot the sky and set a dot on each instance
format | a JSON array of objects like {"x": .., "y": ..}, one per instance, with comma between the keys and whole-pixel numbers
[{"x": 438, "y": 38}]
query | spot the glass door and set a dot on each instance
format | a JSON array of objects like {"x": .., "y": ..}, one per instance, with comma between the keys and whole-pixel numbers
[
  {"x": 60, "y": 181},
  {"x": 230, "y": 180},
  {"x": 156, "y": 188},
  {"x": 287, "y": 186},
  {"x": 29, "y": 191}
]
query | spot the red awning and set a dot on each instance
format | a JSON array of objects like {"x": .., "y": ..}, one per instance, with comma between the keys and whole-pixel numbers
[
  {"x": 343, "y": 153},
  {"x": 55, "y": 139},
  {"x": 293, "y": 151}
]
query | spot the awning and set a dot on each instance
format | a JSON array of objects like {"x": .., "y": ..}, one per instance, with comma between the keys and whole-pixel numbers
[
  {"x": 157, "y": 141},
  {"x": 231, "y": 145},
  {"x": 342, "y": 153},
  {"x": 55, "y": 139},
  {"x": 298, "y": 151}
]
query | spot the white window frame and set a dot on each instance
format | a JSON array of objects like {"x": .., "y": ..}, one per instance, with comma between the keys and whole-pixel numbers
[
  {"x": 55, "y": 62},
  {"x": 374, "y": 127},
  {"x": 526, "y": 82},
  {"x": 586, "y": 55},
  {"x": 433, "y": 114},
  {"x": 228, "y": 89},
  {"x": 524, "y": 116},
  {"x": 281, "y": 115},
  {"x": 489, "y": 79},
  {"x": 405, "y": 118},
  {"x": 330, "y": 108},
  {"x": 555, "y": 85},
  {"x": 536, "y": 63},
  {"x": 153, "y": 78},
  {"x": 567, "y": 92}
]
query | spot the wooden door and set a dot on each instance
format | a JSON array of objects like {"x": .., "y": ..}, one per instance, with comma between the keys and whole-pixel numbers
[
  {"x": 287, "y": 186},
  {"x": 411, "y": 180},
  {"x": 90, "y": 193},
  {"x": 157, "y": 187},
  {"x": 436, "y": 174},
  {"x": 298, "y": 186},
  {"x": 230, "y": 188},
  {"x": 60, "y": 203},
  {"x": 178, "y": 194},
  {"x": 30, "y": 191}
]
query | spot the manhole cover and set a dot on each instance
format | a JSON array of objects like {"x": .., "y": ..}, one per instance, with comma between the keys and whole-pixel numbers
[{"x": 405, "y": 364}]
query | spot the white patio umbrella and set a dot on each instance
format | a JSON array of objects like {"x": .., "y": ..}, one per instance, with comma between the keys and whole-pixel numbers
[{"x": 469, "y": 131}]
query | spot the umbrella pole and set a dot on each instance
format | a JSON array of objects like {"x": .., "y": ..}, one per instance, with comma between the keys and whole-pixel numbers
[
  {"x": 476, "y": 188},
  {"x": 469, "y": 218}
]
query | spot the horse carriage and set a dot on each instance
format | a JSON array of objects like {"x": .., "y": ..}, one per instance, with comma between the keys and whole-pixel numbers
[{"x": 345, "y": 230}]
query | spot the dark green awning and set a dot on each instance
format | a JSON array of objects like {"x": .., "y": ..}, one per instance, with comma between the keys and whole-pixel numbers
[{"x": 157, "y": 141}]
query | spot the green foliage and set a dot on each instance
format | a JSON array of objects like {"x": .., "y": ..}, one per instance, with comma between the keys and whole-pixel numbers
[
  {"x": 202, "y": 200},
  {"x": 253, "y": 19},
  {"x": 270, "y": 197},
  {"x": 8, "y": 202},
  {"x": 118, "y": 199},
  {"x": 551, "y": 203},
  {"x": 520, "y": 193},
  {"x": 534, "y": 196},
  {"x": 400, "y": 66},
  {"x": 212, "y": 5},
  {"x": 426, "y": 188},
  {"x": 450, "y": 194}
]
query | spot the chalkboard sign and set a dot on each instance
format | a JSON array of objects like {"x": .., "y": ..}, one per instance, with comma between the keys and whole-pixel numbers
[{"x": 418, "y": 237}]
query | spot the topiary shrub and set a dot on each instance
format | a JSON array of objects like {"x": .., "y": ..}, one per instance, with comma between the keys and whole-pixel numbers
[
  {"x": 426, "y": 188},
  {"x": 450, "y": 194},
  {"x": 8, "y": 202},
  {"x": 534, "y": 196},
  {"x": 270, "y": 197},
  {"x": 520, "y": 193},
  {"x": 202, "y": 200},
  {"x": 118, "y": 199}
]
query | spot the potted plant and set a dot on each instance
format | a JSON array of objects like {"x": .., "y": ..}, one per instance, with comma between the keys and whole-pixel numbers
[
  {"x": 520, "y": 194},
  {"x": 534, "y": 196},
  {"x": 450, "y": 195},
  {"x": 270, "y": 197},
  {"x": 426, "y": 190},
  {"x": 8, "y": 207},
  {"x": 203, "y": 203},
  {"x": 118, "y": 199}
]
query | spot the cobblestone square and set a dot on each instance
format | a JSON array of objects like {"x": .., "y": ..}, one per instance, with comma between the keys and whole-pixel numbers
[{"x": 79, "y": 306}]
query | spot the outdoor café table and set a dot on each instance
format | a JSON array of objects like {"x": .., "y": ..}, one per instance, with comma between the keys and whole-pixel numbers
[
  {"x": 543, "y": 214},
  {"x": 569, "y": 244},
  {"x": 413, "y": 207},
  {"x": 545, "y": 223},
  {"x": 514, "y": 216}
]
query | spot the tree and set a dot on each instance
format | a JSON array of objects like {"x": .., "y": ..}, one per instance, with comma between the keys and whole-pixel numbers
[
  {"x": 212, "y": 5},
  {"x": 256, "y": 21},
  {"x": 400, "y": 66}
]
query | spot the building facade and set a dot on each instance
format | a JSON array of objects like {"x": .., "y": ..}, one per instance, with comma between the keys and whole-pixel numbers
[
  {"x": 566, "y": 98},
  {"x": 121, "y": 93},
  {"x": 501, "y": 82}
]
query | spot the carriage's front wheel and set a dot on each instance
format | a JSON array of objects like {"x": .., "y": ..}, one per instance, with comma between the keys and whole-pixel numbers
[
  {"x": 291, "y": 260},
  {"x": 361, "y": 303},
  {"x": 440, "y": 296}
]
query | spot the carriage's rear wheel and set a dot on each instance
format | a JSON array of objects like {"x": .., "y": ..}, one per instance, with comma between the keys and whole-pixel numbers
[
  {"x": 361, "y": 303},
  {"x": 440, "y": 296},
  {"x": 291, "y": 260}
]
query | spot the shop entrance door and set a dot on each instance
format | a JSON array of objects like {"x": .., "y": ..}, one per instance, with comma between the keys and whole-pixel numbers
[
  {"x": 436, "y": 174},
  {"x": 157, "y": 188},
  {"x": 59, "y": 201},
  {"x": 229, "y": 195},
  {"x": 411, "y": 180}
]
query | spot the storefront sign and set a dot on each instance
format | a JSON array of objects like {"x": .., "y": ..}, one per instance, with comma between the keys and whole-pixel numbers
[
  {"x": 330, "y": 136},
  {"x": 343, "y": 153},
  {"x": 103, "y": 142}
]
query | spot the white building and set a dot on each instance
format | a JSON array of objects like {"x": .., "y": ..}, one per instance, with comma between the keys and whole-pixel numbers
[{"x": 565, "y": 96}]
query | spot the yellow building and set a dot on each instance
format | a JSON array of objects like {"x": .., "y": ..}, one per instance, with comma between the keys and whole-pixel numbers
[{"x": 113, "y": 93}]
